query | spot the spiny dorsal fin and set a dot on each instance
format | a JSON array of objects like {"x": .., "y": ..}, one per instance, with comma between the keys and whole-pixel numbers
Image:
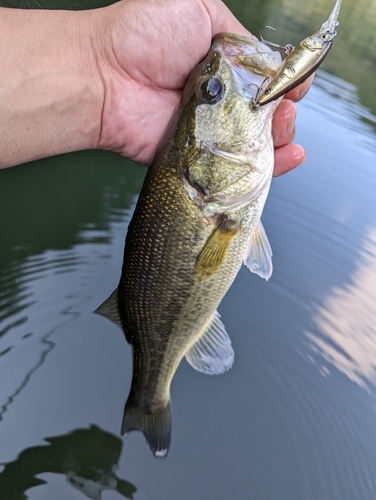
[
  {"x": 213, "y": 353},
  {"x": 259, "y": 258},
  {"x": 215, "y": 250},
  {"x": 110, "y": 309}
]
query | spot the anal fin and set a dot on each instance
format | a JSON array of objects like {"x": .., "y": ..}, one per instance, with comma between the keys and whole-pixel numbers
[{"x": 212, "y": 353}]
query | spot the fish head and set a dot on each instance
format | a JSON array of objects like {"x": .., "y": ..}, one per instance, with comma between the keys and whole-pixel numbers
[{"x": 225, "y": 143}]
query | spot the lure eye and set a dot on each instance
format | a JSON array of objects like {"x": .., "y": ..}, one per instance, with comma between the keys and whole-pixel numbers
[
  {"x": 211, "y": 90},
  {"x": 326, "y": 36}
]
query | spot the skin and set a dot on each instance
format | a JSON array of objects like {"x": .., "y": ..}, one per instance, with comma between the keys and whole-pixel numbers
[{"x": 110, "y": 78}]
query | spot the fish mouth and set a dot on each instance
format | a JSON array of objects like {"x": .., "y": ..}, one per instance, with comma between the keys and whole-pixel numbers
[
  {"x": 251, "y": 62},
  {"x": 231, "y": 44},
  {"x": 244, "y": 50}
]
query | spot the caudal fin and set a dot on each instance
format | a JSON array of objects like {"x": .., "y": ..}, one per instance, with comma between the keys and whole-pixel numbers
[{"x": 156, "y": 427}]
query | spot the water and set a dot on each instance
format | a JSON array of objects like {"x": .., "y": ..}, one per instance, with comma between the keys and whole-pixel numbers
[{"x": 294, "y": 418}]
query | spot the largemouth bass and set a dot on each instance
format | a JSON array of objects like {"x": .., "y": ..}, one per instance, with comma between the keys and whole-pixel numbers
[{"x": 196, "y": 221}]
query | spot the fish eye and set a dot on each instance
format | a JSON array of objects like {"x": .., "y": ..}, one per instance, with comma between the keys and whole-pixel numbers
[{"x": 211, "y": 90}]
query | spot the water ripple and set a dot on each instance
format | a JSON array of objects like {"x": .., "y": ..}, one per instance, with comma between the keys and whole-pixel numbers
[{"x": 42, "y": 293}]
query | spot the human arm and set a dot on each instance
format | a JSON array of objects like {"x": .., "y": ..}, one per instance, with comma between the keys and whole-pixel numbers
[
  {"x": 50, "y": 91},
  {"x": 109, "y": 78}
]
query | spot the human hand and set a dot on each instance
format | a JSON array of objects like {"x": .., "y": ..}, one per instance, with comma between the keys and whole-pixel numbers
[
  {"x": 147, "y": 52},
  {"x": 110, "y": 78}
]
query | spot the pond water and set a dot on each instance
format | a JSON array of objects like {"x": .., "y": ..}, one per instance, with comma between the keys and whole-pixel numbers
[{"x": 295, "y": 418}]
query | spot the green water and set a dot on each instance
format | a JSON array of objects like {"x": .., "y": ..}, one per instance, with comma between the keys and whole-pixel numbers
[{"x": 295, "y": 417}]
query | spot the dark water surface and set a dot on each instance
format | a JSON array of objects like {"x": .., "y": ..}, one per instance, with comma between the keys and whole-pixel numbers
[{"x": 294, "y": 419}]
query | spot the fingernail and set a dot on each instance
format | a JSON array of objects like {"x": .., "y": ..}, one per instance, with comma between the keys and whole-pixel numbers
[
  {"x": 304, "y": 88},
  {"x": 290, "y": 115},
  {"x": 290, "y": 127},
  {"x": 302, "y": 93},
  {"x": 299, "y": 154}
]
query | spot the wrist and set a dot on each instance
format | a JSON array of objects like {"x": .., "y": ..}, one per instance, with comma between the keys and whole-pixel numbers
[
  {"x": 50, "y": 91},
  {"x": 118, "y": 86}
]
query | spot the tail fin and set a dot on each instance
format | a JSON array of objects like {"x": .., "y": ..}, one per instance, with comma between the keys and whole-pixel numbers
[{"x": 156, "y": 427}]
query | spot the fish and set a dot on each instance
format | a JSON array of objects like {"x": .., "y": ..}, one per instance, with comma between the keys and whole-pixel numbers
[
  {"x": 197, "y": 220},
  {"x": 301, "y": 61}
]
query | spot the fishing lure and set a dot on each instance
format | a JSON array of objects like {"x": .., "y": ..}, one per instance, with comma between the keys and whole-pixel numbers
[{"x": 301, "y": 61}]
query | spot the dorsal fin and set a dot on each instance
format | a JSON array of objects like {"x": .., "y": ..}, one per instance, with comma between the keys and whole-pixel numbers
[
  {"x": 259, "y": 258},
  {"x": 110, "y": 309},
  {"x": 213, "y": 352},
  {"x": 215, "y": 250}
]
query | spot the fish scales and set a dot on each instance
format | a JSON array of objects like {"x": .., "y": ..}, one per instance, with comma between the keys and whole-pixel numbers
[
  {"x": 167, "y": 307},
  {"x": 196, "y": 221},
  {"x": 198, "y": 218}
]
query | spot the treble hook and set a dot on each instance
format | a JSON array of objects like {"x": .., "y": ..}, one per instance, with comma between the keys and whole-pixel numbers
[
  {"x": 287, "y": 49},
  {"x": 254, "y": 101},
  {"x": 252, "y": 86}
]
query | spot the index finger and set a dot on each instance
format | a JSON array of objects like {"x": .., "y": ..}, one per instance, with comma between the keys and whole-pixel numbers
[{"x": 300, "y": 91}]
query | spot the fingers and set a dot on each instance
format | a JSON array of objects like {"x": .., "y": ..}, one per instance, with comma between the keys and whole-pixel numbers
[
  {"x": 285, "y": 115},
  {"x": 284, "y": 123},
  {"x": 287, "y": 156},
  {"x": 300, "y": 91}
]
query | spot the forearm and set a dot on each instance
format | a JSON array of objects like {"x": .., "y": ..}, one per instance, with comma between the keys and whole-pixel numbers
[{"x": 50, "y": 90}]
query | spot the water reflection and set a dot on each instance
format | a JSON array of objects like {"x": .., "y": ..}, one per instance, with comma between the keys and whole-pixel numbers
[
  {"x": 341, "y": 103},
  {"x": 346, "y": 321},
  {"x": 46, "y": 292},
  {"x": 24, "y": 344},
  {"x": 87, "y": 457},
  {"x": 292, "y": 434},
  {"x": 47, "y": 260}
]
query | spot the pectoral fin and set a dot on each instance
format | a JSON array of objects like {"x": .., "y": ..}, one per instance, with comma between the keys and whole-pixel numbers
[
  {"x": 213, "y": 353},
  {"x": 259, "y": 258},
  {"x": 215, "y": 250}
]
